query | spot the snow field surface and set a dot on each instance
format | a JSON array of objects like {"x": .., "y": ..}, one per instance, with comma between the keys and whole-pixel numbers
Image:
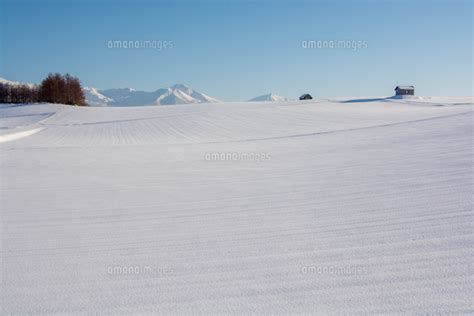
[{"x": 358, "y": 207}]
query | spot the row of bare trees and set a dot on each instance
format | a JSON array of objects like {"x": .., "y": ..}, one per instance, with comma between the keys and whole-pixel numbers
[
  {"x": 55, "y": 88},
  {"x": 18, "y": 93}
]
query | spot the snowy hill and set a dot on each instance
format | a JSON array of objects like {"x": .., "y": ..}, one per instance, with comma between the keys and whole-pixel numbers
[
  {"x": 176, "y": 94},
  {"x": 269, "y": 97},
  {"x": 328, "y": 207}
]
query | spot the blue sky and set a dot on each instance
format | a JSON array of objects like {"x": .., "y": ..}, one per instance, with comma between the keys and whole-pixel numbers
[{"x": 235, "y": 50}]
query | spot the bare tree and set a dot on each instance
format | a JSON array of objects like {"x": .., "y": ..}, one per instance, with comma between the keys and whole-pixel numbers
[
  {"x": 61, "y": 89},
  {"x": 5, "y": 93}
]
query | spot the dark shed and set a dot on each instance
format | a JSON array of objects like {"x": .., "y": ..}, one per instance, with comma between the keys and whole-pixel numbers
[
  {"x": 404, "y": 90},
  {"x": 306, "y": 96}
]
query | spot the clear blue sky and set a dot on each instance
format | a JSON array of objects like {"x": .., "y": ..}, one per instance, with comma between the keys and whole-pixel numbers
[{"x": 235, "y": 50}]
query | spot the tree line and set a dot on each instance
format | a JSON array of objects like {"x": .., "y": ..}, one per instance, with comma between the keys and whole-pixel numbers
[{"x": 55, "y": 88}]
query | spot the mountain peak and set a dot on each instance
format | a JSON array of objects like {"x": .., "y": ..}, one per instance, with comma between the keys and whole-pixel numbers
[
  {"x": 179, "y": 86},
  {"x": 268, "y": 97}
]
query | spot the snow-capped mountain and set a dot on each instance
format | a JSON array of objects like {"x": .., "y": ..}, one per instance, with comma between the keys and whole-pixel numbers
[
  {"x": 268, "y": 97},
  {"x": 176, "y": 94},
  {"x": 95, "y": 98}
]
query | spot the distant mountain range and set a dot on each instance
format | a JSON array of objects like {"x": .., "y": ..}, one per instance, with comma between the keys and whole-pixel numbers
[
  {"x": 176, "y": 94},
  {"x": 15, "y": 83}
]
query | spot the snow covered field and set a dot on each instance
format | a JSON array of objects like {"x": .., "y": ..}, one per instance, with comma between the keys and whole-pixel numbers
[{"x": 326, "y": 206}]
